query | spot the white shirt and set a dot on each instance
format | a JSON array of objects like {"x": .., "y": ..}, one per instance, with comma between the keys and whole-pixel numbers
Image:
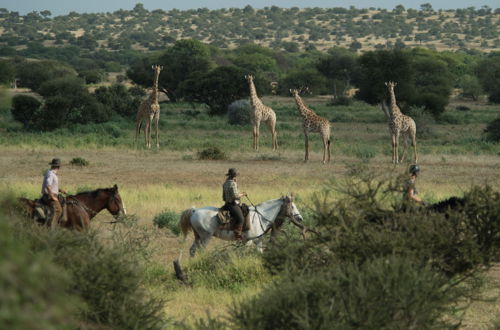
[{"x": 51, "y": 180}]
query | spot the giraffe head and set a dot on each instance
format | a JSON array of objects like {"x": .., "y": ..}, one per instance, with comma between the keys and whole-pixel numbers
[
  {"x": 157, "y": 68},
  {"x": 294, "y": 91},
  {"x": 391, "y": 84},
  {"x": 300, "y": 91},
  {"x": 249, "y": 78}
]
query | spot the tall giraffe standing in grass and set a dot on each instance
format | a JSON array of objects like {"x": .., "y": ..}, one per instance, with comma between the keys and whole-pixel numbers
[
  {"x": 149, "y": 110},
  {"x": 312, "y": 123},
  {"x": 400, "y": 124},
  {"x": 261, "y": 112}
]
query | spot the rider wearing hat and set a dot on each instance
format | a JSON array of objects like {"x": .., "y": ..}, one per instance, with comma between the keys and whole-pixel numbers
[
  {"x": 50, "y": 191},
  {"x": 410, "y": 189},
  {"x": 231, "y": 197}
]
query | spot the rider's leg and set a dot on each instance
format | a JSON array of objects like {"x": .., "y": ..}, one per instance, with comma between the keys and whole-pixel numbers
[
  {"x": 237, "y": 214},
  {"x": 56, "y": 212}
]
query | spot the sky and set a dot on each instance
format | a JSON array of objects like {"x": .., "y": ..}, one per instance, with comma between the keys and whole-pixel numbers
[{"x": 61, "y": 7}]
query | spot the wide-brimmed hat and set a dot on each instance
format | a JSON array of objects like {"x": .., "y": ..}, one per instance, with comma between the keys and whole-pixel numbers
[
  {"x": 55, "y": 162},
  {"x": 232, "y": 172}
]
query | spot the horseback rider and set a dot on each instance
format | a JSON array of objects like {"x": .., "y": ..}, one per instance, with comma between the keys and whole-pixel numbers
[
  {"x": 50, "y": 192},
  {"x": 410, "y": 189},
  {"x": 231, "y": 197}
]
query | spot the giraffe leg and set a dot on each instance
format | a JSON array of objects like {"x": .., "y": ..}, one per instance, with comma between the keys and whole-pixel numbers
[
  {"x": 405, "y": 147},
  {"x": 306, "y": 140},
  {"x": 147, "y": 134},
  {"x": 396, "y": 151},
  {"x": 137, "y": 129},
  {"x": 254, "y": 133},
  {"x": 414, "y": 141},
  {"x": 272, "y": 127},
  {"x": 329, "y": 144},
  {"x": 393, "y": 137},
  {"x": 257, "y": 133},
  {"x": 157, "y": 121}
]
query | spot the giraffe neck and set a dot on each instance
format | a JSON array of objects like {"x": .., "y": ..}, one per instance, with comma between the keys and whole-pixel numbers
[
  {"x": 304, "y": 111},
  {"x": 394, "y": 109},
  {"x": 254, "y": 99},
  {"x": 154, "y": 92}
]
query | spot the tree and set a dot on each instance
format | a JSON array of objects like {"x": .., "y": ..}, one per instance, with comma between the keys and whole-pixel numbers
[
  {"x": 309, "y": 77},
  {"x": 122, "y": 101},
  {"x": 7, "y": 72},
  {"x": 24, "y": 108},
  {"x": 182, "y": 60},
  {"x": 488, "y": 73},
  {"x": 34, "y": 74},
  {"x": 423, "y": 79},
  {"x": 471, "y": 87},
  {"x": 341, "y": 67},
  {"x": 217, "y": 88}
]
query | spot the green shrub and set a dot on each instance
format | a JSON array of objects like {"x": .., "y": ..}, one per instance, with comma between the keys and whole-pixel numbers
[
  {"x": 24, "y": 108},
  {"x": 238, "y": 112},
  {"x": 168, "y": 219},
  {"x": 79, "y": 161},
  {"x": 423, "y": 120},
  {"x": 493, "y": 130},
  {"x": 341, "y": 100},
  {"x": 227, "y": 269},
  {"x": 212, "y": 153},
  {"x": 383, "y": 293},
  {"x": 36, "y": 293},
  {"x": 107, "y": 277}
]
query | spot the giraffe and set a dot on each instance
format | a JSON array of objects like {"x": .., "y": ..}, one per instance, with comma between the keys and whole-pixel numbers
[
  {"x": 400, "y": 124},
  {"x": 312, "y": 123},
  {"x": 261, "y": 112},
  {"x": 149, "y": 110}
]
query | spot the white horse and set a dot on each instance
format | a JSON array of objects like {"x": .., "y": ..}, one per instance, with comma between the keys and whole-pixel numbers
[{"x": 205, "y": 224}]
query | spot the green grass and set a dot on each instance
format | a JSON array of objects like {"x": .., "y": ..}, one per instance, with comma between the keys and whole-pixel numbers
[{"x": 187, "y": 128}]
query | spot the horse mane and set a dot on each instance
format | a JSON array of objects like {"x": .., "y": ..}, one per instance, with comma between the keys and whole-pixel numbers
[{"x": 93, "y": 193}]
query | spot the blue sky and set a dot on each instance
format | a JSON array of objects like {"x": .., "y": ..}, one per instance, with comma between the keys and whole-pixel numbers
[{"x": 58, "y": 7}]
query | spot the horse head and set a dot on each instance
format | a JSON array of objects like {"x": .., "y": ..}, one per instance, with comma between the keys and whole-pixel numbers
[
  {"x": 115, "y": 204},
  {"x": 289, "y": 209}
]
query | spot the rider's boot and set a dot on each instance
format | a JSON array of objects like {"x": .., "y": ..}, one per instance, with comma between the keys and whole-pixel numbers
[{"x": 237, "y": 233}]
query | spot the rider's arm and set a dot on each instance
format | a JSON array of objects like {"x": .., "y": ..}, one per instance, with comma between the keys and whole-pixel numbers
[
  {"x": 413, "y": 196},
  {"x": 52, "y": 195}
]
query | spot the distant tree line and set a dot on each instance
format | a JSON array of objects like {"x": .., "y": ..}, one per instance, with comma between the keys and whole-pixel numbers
[{"x": 197, "y": 72}]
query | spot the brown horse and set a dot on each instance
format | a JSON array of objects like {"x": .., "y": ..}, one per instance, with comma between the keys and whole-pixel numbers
[{"x": 82, "y": 207}]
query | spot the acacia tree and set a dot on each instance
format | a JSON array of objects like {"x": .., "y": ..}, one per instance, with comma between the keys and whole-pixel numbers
[
  {"x": 488, "y": 72},
  {"x": 341, "y": 68},
  {"x": 217, "y": 88},
  {"x": 423, "y": 79}
]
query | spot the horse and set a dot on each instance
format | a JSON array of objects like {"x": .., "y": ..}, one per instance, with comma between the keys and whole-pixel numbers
[
  {"x": 82, "y": 207},
  {"x": 263, "y": 217}
]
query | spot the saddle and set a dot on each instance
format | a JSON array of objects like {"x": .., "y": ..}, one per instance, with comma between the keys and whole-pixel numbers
[
  {"x": 226, "y": 222},
  {"x": 43, "y": 211}
]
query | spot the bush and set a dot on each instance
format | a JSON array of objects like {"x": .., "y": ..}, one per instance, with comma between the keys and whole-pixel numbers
[
  {"x": 120, "y": 100},
  {"x": 462, "y": 108},
  {"x": 24, "y": 108},
  {"x": 423, "y": 120},
  {"x": 107, "y": 277},
  {"x": 493, "y": 130},
  {"x": 227, "y": 269},
  {"x": 341, "y": 100},
  {"x": 238, "y": 112},
  {"x": 212, "y": 153},
  {"x": 36, "y": 293},
  {"x": 78, "y": 161},
  {"x": 168, "y": 219},
  {"x": 91, "y": 76},
  {"x": 349, "y": 296}
]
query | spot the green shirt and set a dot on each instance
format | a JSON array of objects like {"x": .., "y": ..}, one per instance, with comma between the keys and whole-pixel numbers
[
  {"x": 409, "y": 184},
  {"x": 230, "y": 191}
]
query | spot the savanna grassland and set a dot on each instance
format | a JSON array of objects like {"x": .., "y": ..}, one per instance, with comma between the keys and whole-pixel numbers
[{"x": 453, "y": 155}]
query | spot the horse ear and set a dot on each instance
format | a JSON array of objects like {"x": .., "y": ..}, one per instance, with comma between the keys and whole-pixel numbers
[
  {"x": 115, "y": 187},
  {"x": 292, "y": 196}
]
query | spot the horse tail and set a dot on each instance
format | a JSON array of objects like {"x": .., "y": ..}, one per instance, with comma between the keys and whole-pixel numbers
[{"x": 185, "y": 222}]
